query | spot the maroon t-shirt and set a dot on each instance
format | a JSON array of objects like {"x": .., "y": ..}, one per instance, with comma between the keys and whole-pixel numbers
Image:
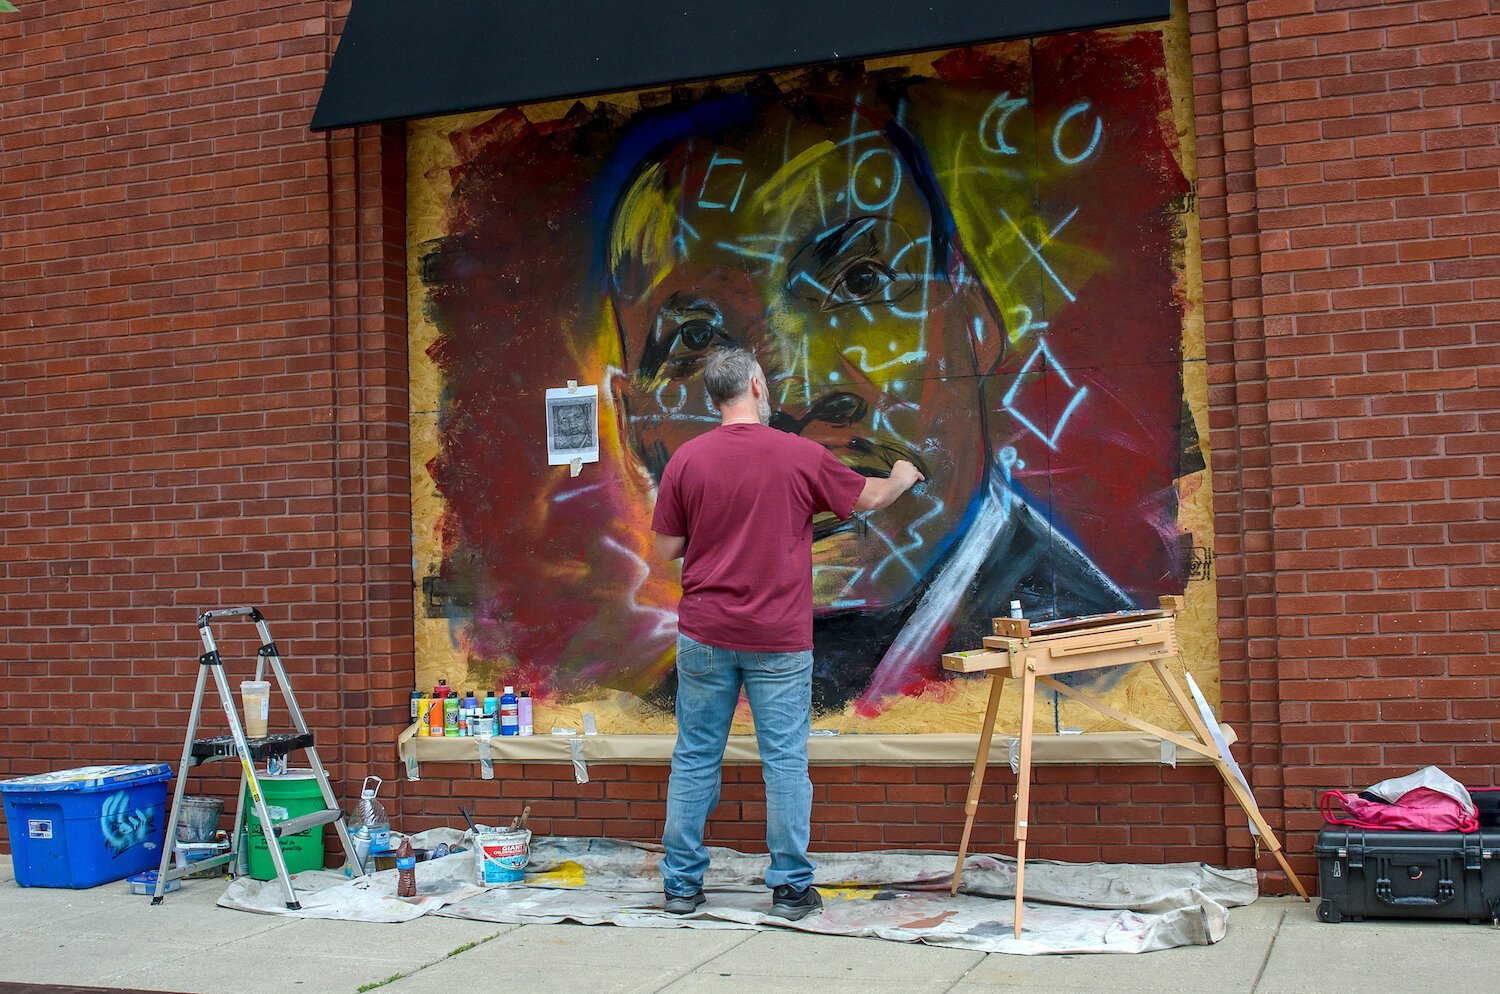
[{"x": 745, "y": 496}]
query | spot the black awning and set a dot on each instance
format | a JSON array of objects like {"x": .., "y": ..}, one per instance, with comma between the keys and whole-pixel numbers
[{"x": 400, "y": 59}]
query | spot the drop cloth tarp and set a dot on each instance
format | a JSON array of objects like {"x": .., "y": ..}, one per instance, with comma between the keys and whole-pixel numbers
[{"x": 900, "y": 895}]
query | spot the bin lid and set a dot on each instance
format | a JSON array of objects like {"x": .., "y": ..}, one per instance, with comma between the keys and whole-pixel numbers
[{"x": 87, "y": 777}]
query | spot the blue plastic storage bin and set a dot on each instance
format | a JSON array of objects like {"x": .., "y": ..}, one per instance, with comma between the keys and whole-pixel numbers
[{"x": 88, "y": 826}]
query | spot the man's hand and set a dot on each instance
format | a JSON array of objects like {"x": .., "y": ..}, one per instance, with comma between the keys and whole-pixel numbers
[
  {"x": 905, "y": 475},
  {"x": 879, "y": 493}
]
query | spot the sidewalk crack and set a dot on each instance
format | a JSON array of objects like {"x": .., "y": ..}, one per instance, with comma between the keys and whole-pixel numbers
[{"x": 1270, "y": 948}]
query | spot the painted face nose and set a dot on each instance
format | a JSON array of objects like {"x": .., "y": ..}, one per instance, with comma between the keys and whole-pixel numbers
[{"x": 835, "y": 409}]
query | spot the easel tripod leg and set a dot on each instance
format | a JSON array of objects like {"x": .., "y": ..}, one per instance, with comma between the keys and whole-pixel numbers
[
  {"x": 976, "y": 778},
  {"x": 1023, "y": 786},
  {"x": 1245, "y": 799}
]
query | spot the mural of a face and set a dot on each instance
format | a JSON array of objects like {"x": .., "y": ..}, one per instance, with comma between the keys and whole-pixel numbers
[
  {"x": 976, "y": 261},
  {"x": 824, "y": 247}
]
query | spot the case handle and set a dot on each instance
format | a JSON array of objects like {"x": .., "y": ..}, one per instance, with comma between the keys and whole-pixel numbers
[{"x": 1446, "y": 892}]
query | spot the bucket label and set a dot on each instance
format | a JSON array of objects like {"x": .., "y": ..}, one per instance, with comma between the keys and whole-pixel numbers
[
  {"x": 39, "y": 828},
  {"x": 502, "y": 858}
]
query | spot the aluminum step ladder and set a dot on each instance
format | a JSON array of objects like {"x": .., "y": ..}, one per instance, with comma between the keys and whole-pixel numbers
[{"x": 196, "y": 751}]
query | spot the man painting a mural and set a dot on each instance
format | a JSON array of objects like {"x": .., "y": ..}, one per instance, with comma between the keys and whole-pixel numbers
[
  {"x": 972, "y": 265},
  {"x": 736, "y": 506}
]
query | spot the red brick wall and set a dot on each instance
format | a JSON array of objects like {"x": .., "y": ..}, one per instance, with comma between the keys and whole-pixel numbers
[
  {"x": 1351, "y": 245},
  {"x": 202, "y": 395},
  {"x": 203, "y": 403},
  {"x": 1079, "y": 813}
]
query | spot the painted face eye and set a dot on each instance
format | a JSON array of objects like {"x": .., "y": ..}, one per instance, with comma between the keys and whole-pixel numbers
[
  {"x": 861, "y": 282},
  {"x": 697, "y": 334}
]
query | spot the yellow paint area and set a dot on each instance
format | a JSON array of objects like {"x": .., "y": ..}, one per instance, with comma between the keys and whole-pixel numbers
[
  {"x": 568, "y": 874},
  {"x": 850, "y": 893}
]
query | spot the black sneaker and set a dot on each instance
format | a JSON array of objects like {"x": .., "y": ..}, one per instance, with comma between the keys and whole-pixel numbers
[
  {"x": 678, "y": 904},
  {"x": 790, "y": 903}
]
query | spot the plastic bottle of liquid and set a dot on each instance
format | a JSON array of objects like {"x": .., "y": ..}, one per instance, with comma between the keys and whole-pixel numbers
[
  {"x": 450, "y": 714},
  {"x": 471, "y": 708},
  {"x": 492, "y": 706},
  {"x": 509, "y": 718},
  {"x": 416, "y": 704},
  {"x": 441, "y": 690},
  {"x": 435, "y": 716},
  {"x": 369, "y": 825},
  {"x": 406, "y": 866},
  {"x": 523, "y": 713},
  {"x": 424, "y": 705}
]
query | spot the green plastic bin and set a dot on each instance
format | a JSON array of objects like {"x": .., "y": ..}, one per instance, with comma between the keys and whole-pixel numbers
[{"x": 288, "y": 795}]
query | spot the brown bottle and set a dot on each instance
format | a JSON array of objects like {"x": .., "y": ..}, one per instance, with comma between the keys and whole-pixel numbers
[{"x": 406, "y": 866}]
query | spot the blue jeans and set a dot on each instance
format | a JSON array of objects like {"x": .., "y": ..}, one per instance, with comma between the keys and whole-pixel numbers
[{"x": 779, "y": 685}]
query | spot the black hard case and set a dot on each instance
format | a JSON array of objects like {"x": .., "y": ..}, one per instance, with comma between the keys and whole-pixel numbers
[{"x": 1385, "y": 874}]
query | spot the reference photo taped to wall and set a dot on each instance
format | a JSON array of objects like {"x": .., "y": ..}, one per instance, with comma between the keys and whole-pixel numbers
[{"x": 982, "y": 260}]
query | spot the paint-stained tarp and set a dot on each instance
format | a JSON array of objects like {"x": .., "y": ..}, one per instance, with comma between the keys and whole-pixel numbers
[{"x": 898, "y": 895}]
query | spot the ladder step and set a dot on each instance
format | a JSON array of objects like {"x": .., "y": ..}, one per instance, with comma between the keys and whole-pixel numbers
[
  {"x": 265, "y": 747},
  {"x": 178, "y": 872},
  {"x": 300, "y": 824}
]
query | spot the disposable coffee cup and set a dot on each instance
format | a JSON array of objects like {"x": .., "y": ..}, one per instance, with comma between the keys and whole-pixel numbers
[{"x": 255, "y": 697}]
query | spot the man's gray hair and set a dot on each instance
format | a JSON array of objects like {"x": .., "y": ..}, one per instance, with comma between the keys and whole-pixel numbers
[{"x": 728, "y": 372}]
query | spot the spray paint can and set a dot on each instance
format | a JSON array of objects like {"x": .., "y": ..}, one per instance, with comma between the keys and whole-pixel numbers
[
  {"x": 450, "y": 714},
  {"x": 523, "y": 713},
  {"x": 509, "y": 718}
]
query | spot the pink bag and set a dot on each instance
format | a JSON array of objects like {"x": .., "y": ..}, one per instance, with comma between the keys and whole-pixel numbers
[{"x": 1420, "y": 810}]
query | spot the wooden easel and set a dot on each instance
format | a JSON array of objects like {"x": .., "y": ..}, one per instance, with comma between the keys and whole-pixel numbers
[{"x": 1037, "y": 655}]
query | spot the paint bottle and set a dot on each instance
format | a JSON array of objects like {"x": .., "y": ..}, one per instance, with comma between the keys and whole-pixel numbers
[
  {"x": 416, "y": 704},
  {"x": 450, "y": 715},
  {"x": 441, "y": 690},
  {"x": 1015, "y": 610},
  {"x": 492, "y": 708},
  {"x": 510, "y": 723},
  {"x": 523, "y": 713},
  {"x": 435, "y": 715},
  {"x": 471, "y": 709}
]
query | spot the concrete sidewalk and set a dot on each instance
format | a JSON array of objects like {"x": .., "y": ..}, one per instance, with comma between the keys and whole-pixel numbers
[{"x": 108, "y": 937}]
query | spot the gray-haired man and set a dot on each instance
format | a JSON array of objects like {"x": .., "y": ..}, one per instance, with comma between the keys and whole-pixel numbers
[{"x": 737, "y": 505}]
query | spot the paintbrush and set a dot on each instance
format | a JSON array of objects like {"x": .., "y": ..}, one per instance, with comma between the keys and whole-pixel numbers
[
  {"x": 519, "y": 821},
  {"x": 465, "y": 812}
]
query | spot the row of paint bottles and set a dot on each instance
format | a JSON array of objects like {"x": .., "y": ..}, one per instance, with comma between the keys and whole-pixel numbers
[{"x": 444, "y": 713}]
